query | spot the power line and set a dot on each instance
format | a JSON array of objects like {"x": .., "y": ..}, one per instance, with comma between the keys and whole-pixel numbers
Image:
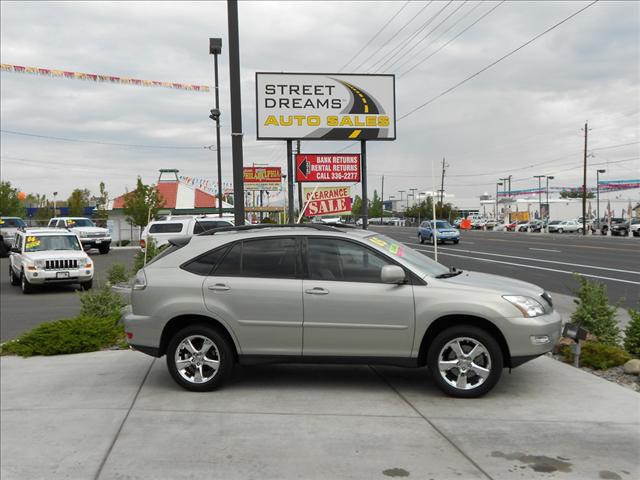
[
  {"x": 454, "y": 38},
  {"x": 404, "y": 54},
  {"x": 614, "y": 146},
  {"x": 504, "y": 57},
  {"x": 394, "y": 35},
  {"x": 375, "y": 36}
]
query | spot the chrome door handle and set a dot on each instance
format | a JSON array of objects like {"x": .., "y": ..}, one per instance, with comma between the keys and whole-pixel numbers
[
  {"x": 219, "y": 287},
  {"x": 317, "y": 291}
]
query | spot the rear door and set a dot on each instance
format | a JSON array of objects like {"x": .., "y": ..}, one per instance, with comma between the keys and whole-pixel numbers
[
  {"x": 257, "y": 287},
  {"x": 348, "y": 311}
]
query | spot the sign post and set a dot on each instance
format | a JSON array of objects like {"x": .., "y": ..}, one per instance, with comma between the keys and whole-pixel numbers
[{"x": 365, "y": 198}]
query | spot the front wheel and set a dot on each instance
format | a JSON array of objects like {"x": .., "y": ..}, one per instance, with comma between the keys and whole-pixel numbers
[
  {"x": 13, "y": 279},
  {"x": 420, "y": 238},
  {"x": 26, "y": 287},
  {"x": 560, "y": 230},
  {"x": 580, "y": 230},
  {"x": 199, "y": 358},
  {"x": 456, "y": 241},
  {"x": 465, "y": 361},
  {"x": 104, "y": 249},
  {"x": 87, "y": 285}
]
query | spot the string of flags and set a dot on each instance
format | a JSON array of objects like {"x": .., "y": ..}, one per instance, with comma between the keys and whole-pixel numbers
[
  {"x": 93, "y": 77},
  {"x": 605, "y": 186},
  {"x": 205, "y": 184}
]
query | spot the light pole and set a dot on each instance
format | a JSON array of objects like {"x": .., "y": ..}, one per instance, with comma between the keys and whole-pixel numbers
[
  {"x": 495, "y": 213},
  {"x": 215, "y": 48},
  {"x": 55, "y": 204},
  {"x": 539, "y": 177},
  {"x": 413, "y": 194},
  {"x": 598, "y": 172},
  {"x": 401, "y": 195},
  {"x": 549, "y": 177}
]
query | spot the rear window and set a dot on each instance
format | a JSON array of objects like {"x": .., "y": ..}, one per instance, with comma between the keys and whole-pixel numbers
[
  {"x": 203, "y": 226},
  {"x": 203, "y": 264},
  {"x": 166, "y": 228},
  {"x": 12, "y": 223}
]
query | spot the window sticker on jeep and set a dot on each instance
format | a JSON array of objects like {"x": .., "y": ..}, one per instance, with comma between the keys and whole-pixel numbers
[
  {"x": 392, "y": 248},
  {"x": 31, "y": 243},
  {"x": 70, "y": 223}
]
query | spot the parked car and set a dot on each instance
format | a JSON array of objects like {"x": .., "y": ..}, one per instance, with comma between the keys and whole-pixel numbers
[
  {"x": 622, "y": 229},
  {"x": 8, "y": 228},
  {"x": 443, "y": 231},
  {"x": 90, "y": 235},
  {"x": 215, "y": 299},
  {"x": 553, "y": 225},
  {"x": 500, "y": 227},
  {"x": 604, "y": 228},
  {"x": 635, "y": 227},
  {"x": 42, "y": 256},
  {"x": 176, "y": 226},
  {"x": 511, "y": 227},
  {"x": 533, "y": 225},
  {"x": 570, "y": 226}
]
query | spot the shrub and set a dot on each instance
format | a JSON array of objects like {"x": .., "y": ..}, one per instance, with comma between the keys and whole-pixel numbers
[
  {"x": 594, "y": 313},
  {"x": 632, "y": 333},
  {"x": 117, "y": 273},
  {"x": 152, "y": 251},
  {"x": 598, "y": 355},
  {"x": 102, "y": 303},
  {"x": 75, "y": 335},
  {"x": 124, "y": 243}
]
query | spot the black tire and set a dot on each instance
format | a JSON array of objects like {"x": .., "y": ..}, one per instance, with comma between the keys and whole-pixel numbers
[
  {"x": 25, "y": 285},
  {"x": 87, "y": 285},
  {"x": 474, "y": 334},
  {"x": 560, "y": 230},
  {"x": 104, "y": 249},
  {"x": 431, "y": 241},
  {"x": 13, "y": 278},
  {"x": 420, "y": 238},
  {"x": 603, "y": 230},
  {"x": 224, "y": 356},
  {"x": 580, "y": 230},
  {"x": 456, "y": 242}
]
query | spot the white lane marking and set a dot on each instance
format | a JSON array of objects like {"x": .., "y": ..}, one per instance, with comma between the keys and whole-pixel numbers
[
  {"x": 633, "y": 272},
  {"x": 538, "y": 268},
  {"x": 544, "y": 250}
]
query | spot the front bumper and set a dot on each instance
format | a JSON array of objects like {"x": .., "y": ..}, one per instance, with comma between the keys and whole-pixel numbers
[
  {"x": 40, "y": 276},
  {"x": 95, "y": 242},
  {"x": 529, "y": 338}
]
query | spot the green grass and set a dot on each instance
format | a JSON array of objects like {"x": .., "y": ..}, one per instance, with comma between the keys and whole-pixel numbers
[{"x": 74, "y": 335}]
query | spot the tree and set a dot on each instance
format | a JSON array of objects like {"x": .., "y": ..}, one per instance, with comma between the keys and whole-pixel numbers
[
  {"x": 575, "y": 194},
  {"x": 10, "y": 204},
  {"x": 78, "y": 201},
  {"x": 356, "y": 207},
  {"x": 101, "y": 203},
  {"x": 375, "y": 210},
  {"x": 138, "y": 204}
]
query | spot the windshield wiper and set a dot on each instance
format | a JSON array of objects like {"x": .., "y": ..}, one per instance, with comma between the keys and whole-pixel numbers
[{"x": 452, "y": 273}]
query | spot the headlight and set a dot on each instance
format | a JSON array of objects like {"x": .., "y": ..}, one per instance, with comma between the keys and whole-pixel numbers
[
  {"x": 527, "y": 305},
  {"x": 39, "y": 263},
  {"x": 84, "y": 234}
]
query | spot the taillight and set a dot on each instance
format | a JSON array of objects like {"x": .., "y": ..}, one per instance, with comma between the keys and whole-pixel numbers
[
  {"x": 140, "y": 280},
  {"x": 143, "y": 244}
]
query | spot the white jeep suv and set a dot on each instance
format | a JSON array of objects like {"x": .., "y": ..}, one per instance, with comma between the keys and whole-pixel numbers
[
  {"x": 90, "y": 235},
  {"x": 42, "y": 256}
]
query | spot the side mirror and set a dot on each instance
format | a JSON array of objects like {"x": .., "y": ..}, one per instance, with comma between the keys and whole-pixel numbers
[
  {"x": 392, "y": 274},
  {"x": 15, "y": 249}
]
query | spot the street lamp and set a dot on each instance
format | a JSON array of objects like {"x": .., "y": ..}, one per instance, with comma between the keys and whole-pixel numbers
[
  {"x": 598, "y": 172},
  {"x": 495, "y": 213},
  {"x": 549, "y": 177},
  {"x": 413, "y": 194},
  {"x": 401, "y": 195},
  {"x": 55, "y": 203},
  {"x": 539, "y": 177},
  {"x": 215, "y": 48}
]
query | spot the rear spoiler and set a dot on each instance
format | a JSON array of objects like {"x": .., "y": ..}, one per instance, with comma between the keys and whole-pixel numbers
[{"x": 179, "y": 241}]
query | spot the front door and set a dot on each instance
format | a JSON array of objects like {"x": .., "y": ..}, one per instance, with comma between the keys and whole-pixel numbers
[
  {"x": 348, "y": 311},
  {"x": 257, "y": 288}
]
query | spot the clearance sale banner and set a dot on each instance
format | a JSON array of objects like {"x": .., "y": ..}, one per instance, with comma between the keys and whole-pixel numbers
[
  {"x": 314, "y": 106},
  {"x": 327, "y": 201}
]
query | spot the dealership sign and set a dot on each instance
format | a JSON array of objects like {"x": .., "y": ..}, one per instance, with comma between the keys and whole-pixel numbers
[
  {"x": 325, "y": 106},
  {"x": 318, "y": 167},
  {"x": 327, "y": 201},
  {"x": 262, "y": 178}
]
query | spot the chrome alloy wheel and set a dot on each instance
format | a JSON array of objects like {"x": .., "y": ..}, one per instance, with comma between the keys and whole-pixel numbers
[
  {"x": 464, "y": 363},
  {"x": 197, "y": 359}
]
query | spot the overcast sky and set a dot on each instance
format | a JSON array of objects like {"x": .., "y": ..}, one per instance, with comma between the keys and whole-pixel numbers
[{"x": 521, "y": 117}]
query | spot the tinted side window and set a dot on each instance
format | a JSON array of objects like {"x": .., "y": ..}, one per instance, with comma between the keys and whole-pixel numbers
[
  {"x": 230, "y": 265},
  {"x": 269, "y": 258},
  {"x": 339, "y": 260},
  {"x": 204, "y": 264},
  {"x": 209, "y": 225},
  {"x": 166, "y": 228}
]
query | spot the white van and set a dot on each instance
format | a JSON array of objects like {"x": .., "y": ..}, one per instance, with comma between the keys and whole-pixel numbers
[{"x": 177, "y": 226}]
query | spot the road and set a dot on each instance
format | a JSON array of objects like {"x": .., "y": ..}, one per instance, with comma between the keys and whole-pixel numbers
[
  {"x": 548, "y": 260},
  {"x": 21, "y": 313}
]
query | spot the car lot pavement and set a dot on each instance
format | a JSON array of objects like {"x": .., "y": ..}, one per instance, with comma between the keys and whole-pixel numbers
[{"x": 118, "y": 414}]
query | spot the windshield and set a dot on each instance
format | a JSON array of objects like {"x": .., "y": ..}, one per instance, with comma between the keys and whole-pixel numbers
[
  {"x": 37, "y": 243},
  {"x": 416, "y": 259},
  {"x": 443, "y": 224},
  {"x": 12, "y": 223},
  {"x": 79, "y": 222}
]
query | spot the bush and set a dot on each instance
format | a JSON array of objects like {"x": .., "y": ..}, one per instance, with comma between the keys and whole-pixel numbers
[
  {"x": 632, "y": 333},
  {"x": 598, "y": 355},
  {"x": 152, "y": 251},
  {"x": 75, "y": 335},
  {"x": 594, "y": 312},
  {"x": 124, "y": 243},
  {"x": 102, "y": 303},
  {"x": 117, "y": 273}
]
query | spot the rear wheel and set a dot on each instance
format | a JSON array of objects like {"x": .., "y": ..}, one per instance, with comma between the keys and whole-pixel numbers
[
  {"x": 199, "y": 358},
  {"x": 465, "y": 361}
]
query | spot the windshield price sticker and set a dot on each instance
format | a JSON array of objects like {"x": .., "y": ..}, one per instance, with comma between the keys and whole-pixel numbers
[
  {"x": 392, "y": 248},
  {"x": 31, "y": 243}
]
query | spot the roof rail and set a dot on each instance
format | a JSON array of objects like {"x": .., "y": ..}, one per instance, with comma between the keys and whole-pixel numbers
[{"x": 313, "y": 226}]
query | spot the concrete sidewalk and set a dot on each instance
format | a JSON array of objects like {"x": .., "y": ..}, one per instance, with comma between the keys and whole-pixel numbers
[{"x": 118, "y": 414}]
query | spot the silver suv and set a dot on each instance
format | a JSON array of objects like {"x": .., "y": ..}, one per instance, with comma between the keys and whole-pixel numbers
[{"x": 318, "y": 294}]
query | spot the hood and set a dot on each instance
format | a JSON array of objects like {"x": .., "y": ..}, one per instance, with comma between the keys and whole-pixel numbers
[
  {"x": 503, "y": 285},
  {"x": 56, "y": 254},
  {"x": 90, "y": 229}
]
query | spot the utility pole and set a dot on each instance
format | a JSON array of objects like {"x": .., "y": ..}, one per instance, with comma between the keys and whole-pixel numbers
[
  {"x": 442, "y": 183},
  {"x": 236, "y": 111},
  {"x": 549, "y": 177},
  {"x": 598, "y": 172},
  {"x": 584, "y": 182},
  {"x": 539, "y": 177},
  {"x": 509, "y": 179},
  {"x": 215, "y": 48},
  {"x": 382, "y": 198},
  {"x": 495, "y": 214}
]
